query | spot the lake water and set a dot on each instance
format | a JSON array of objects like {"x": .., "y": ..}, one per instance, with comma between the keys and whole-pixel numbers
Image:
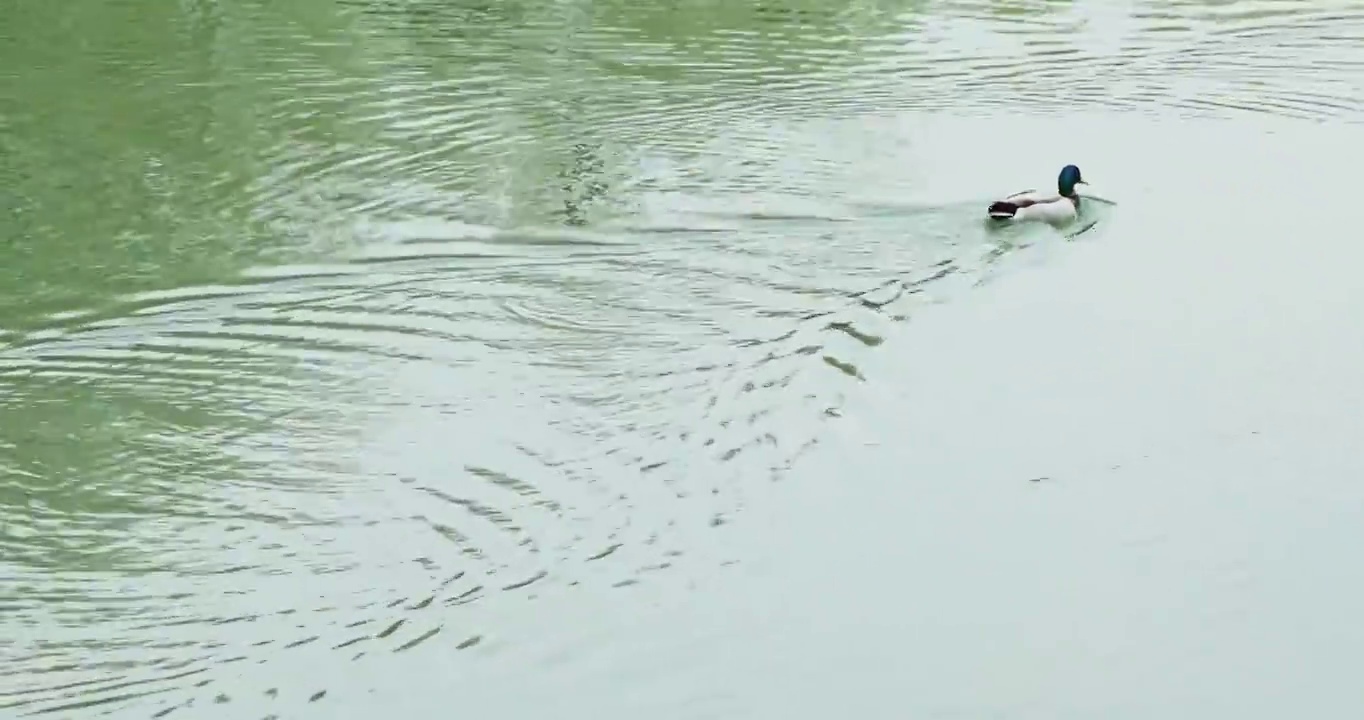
[{"x": 434, "y": 358}]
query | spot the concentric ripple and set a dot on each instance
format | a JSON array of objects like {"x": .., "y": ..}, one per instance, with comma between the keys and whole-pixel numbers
[{"x": 328, "y": 323}]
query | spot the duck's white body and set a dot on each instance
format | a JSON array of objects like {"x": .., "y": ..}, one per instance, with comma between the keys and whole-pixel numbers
[{"x": 1031, "y": 205}]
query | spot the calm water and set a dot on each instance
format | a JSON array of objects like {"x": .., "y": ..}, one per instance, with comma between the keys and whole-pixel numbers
[{"x": 441, "y": 358}]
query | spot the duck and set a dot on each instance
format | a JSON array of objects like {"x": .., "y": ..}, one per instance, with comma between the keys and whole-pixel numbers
[{"x": 1031, "y": 205}]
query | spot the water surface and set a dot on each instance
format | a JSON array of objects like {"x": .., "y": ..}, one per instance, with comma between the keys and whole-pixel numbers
[{"x": 430, "y": 355}]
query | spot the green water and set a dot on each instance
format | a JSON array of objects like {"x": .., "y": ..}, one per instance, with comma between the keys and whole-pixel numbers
[{"x": 433, "y": 358}]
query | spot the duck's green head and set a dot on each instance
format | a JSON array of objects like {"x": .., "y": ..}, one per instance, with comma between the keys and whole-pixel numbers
[{"x": 1069, "y": 178}]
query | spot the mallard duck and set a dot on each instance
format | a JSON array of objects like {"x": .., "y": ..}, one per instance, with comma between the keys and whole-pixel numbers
[{"x": 1046, "y": 207}]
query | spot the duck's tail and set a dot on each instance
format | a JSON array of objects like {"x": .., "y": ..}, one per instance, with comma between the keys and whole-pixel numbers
[{"x": 1002, "y": 210}]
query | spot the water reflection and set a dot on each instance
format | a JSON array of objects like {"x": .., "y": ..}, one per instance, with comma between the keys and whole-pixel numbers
[{"x": 331, "y": 323}]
